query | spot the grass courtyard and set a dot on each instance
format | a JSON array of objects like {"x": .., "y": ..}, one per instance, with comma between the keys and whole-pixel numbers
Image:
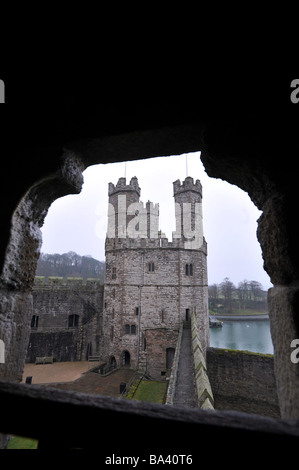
[{"x": 151, "y": 391}]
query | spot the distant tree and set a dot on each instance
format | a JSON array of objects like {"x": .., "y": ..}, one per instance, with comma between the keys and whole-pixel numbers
[
  {"x": 227, "y": 289},
  {"x": 213, "y": 291},
  {"x": 213, "y": 294},
  {"x": 250, "y": 294},
  {"x": 256, "y": 289},
  {"x": 243, "y": 293}
]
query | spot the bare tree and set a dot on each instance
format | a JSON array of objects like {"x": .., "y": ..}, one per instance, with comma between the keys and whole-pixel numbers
[
  {"x": 227, "y": 289},
  {"x": 243, "y": 293},
  {"x": 256, "y": 289}
]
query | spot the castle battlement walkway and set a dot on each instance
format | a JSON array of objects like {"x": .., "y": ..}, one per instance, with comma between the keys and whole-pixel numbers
[
  {"x": 189, "y": 384},
  {"x": 185, "y": 390}
]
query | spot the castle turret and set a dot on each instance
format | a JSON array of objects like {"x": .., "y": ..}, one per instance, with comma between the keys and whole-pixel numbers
[
  {"x": 121, "y": 196},
  {"x": 188, "y": 212}
]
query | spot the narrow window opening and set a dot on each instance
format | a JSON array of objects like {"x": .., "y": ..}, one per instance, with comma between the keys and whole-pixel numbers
[
  {"x": 151, "y": 267},
  {"x": 73, "y": 321},
  {"x": 133, "y": 329},
  {"x": 34, "y": 322}
]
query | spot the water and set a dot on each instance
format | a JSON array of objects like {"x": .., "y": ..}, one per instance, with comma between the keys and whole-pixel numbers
[{"x": 252, "y": 335}]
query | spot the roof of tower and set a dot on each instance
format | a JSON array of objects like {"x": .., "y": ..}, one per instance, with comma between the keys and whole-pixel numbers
[
  {"x": 187, "y": 185},
  {"x": 121, "y": 186}
]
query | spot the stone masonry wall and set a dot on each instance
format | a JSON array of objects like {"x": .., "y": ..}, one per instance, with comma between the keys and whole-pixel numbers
[
  {"x": 52, "y": 332},
  {"x": 243, "y": 381},
  {"x": 163, "y": 296}
]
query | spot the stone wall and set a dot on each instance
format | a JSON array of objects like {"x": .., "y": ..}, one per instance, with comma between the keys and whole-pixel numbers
[
  {"x": 158, "y": 341},
  {"x": 163, "y": 296},
  {"x": 243, "y": 381},
  {"x": 203, "y": 387},
  {"x": 53, "y": 331}
]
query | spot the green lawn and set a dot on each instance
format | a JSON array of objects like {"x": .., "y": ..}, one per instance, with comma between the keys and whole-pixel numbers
[
  {"x": 151, "y": 391},
  {"x": 241, "y": 311},
  {"x": 18, "y": 442}
]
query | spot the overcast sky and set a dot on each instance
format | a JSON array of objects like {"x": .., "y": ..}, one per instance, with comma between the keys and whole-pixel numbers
[{"x": 79, "y": 222}]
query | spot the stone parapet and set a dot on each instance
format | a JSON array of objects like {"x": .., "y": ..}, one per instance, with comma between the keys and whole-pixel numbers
[
  {"x": 71, "y": 282},
  {"x": 187, "y": 185},
  {"x": 174, "y": 370},
  {"x": 243, "y": 381},
  {"x": 203, "y": 386}
]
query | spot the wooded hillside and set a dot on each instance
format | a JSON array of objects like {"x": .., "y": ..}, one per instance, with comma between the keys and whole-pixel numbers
[{"x": 70, "y": 265}]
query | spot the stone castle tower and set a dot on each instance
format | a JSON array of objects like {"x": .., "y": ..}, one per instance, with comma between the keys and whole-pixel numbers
[{"x": 152, "y": 285}]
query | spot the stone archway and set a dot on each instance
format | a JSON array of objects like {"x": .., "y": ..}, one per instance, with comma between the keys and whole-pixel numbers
[
  {"x": 230, "y": 151},
  {"x": 112, "y": 362},
  {"x": 126, "y": 359},
  {"x": 169, "y": 357}
]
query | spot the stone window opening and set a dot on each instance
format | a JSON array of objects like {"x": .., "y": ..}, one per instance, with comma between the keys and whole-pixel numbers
[
  {"x": 73, "y": 321},
  {"x": 151, "y": 267},
  {"x": 130, "y": 329},
  {"x": 189, "y": 269},
  {"x": 133, "y": 329},
  {"x": 163, "y": 315},
  {"x": 34, "y": 322},
  {"x": 113, "y": 276},
  {"x": 136, "y": 311}
]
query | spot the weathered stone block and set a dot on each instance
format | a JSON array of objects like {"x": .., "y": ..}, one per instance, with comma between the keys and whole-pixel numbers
[{"x": 284, "y": 323}]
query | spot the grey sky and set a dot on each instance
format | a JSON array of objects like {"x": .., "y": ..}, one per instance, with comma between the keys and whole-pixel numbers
[{"x": 79, "y": 222}]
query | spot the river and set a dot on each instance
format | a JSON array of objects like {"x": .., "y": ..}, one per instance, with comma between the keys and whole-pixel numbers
[{"x": 251, "y": 335}]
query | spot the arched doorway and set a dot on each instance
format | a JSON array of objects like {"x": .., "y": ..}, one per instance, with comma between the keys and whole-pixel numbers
[
  {"x": 88, "y": 350},
  {"x": 112, "y": 362},
  {"x": 188, "y": 314},
  {"x": 169, "y": 357},
  {"x": 126, "y": 359}
]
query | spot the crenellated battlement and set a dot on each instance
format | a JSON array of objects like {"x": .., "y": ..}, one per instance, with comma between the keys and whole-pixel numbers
[
  {"x": 149, "y": 243},
  {"x": 187, "y": 185},
  {"x": 121, "y": 186},
  {"x": 131, "y": 223}
]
